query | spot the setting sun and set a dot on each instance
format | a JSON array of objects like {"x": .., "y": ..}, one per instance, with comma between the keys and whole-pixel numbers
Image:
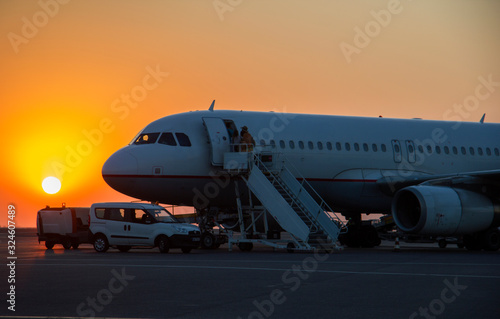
[{"x": 51, "y": 185}]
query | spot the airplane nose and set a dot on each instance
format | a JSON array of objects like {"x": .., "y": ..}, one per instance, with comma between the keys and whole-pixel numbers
[{"x": 121, "y": 162}]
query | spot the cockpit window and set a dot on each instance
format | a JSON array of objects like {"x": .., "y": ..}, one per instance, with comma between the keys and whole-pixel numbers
[
  {"x": 167, "y": 139},
  {"x": 147, "y": 138},
  {"x": 183, "y": 139}
]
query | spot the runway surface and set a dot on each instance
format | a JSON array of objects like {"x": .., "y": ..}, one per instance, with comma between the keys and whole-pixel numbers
[{"x": 419, "y": 281}]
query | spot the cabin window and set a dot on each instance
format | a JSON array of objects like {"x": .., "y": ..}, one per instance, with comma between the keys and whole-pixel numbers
[
  {"x": 282, "y": 144},
  {"x": 429, "y": 149},
  {"x": 329, "y": 146},
  {"x": 420, "y": 148},
  {"x": 446, "y": 150},
  {"x": 480, "y": 151},
  {"x": 338, "y": 146},
  {"x": 167, "y": 139},
  {"x": 356, "y": 147},
  {"x": 347, "y": 146},
  {"x": 471, "y": 150},
  {"x": 365, "y": 147},
  {"x": 488, "y": 151},
  {"x": 455, "y": 150},
  {"x": 301, "y": 145},
  {"x": 291, "y": 144},
  {"x": 320, "y": 146},
  {"x": 262, "y": 143},
  {"x": 273, "y": 144},
  {"x": 497, "y": 153},
  {"x": 383, "y": 148},
  {"x": 464, "y": 151},
  {"x": 183, "y": 139},
  {"x": 438, "y": 150},
  {"x": 374, "y": 147},
  {"x": 148, "y": 138},
  {"x": 310, "y": 145}
]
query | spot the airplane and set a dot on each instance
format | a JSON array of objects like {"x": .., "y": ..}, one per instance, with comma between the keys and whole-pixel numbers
[{"x": 436, "y": 178}]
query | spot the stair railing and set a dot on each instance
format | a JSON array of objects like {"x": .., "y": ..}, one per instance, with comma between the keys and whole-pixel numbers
[{"x": 313, "y": 228}]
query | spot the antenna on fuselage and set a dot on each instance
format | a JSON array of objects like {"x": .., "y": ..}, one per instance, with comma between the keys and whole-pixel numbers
[
  {"x": 482, "y": 119},
  {"x": 211, "y": 108}
]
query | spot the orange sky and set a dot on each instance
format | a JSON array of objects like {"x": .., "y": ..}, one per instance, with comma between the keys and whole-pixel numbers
[{"x": 67, "y": 69}]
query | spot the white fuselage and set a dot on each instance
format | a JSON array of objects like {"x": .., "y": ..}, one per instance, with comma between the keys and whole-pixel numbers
[{"x": 342, "y": 157}]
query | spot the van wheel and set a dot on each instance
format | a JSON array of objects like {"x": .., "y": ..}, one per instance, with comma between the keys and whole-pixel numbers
[
  {"x": 49, "y": 244},
  {"x": 123, "y": 249},
  {"x": 163, "y": 244},
  {"x": 186, "y": 250},
  {"x": 101, "y": 243},
  {"x": 75, "y": 245},
  {"x": 66, "y": 242}
]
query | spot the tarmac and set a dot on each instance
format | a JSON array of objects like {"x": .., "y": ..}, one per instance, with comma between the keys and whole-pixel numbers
[{"x": 418, "y": 281}]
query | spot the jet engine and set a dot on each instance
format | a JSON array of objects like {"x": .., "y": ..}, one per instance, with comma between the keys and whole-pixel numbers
[{"x": 441, "y": 210}]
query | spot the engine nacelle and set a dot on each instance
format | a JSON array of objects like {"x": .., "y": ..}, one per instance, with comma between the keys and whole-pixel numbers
[{"x": 441, "y": 210}]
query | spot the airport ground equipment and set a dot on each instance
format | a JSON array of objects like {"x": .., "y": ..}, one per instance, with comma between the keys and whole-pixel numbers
[
  {"x": 288, "y": 198},
  {"x": 67, "y": 226},
  {"x": 127, "y": 225}
]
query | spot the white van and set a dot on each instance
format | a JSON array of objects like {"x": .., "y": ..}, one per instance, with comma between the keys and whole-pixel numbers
[{"x": 124, "y": 225}]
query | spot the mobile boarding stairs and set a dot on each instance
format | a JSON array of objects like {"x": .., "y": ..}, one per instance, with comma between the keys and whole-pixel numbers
[{"x": 289, "y": 198}]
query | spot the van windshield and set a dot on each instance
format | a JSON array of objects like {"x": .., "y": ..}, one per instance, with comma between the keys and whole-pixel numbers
[{"x": 162, "y": 216}]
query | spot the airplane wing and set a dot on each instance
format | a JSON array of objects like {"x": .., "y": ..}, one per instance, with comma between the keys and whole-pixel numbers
[{"x": 391, "y": 184}]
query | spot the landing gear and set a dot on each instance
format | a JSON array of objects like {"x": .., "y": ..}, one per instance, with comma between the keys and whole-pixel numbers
[
  {"x": 442, "y": 243},
  {"x": 212, "y": 232},
  {"x": 359, "y": 234},
  {"x": 245, "y": 246},
  {"x": 488, "y": 240},
  {"x": 208, "y": 241},
  {"x": 491, "y": 239}
]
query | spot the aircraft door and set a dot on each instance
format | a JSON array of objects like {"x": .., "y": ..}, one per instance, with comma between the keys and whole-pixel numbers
[
  {"x": 410, "y": 148},
  {"x": 220, "y": 142},
  {"x": 396, "y": 147}
]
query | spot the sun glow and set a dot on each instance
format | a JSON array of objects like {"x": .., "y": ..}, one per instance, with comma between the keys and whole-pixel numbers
[{"x": 51, "y": 185}]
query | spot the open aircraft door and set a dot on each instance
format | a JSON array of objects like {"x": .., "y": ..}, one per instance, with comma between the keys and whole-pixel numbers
[{"x": 219, "y": 139}]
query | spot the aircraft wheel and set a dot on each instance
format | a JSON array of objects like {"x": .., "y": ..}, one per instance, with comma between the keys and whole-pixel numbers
[
  {"x": 290, "y": 247},
  {"x": 245, "y": 246},
  {"x": 49, "y": 244},
  {"x": 491, "y": 239},
  {"x": 369, "y": 237},
  {"x": 472, "y": 242},
  {"x": 163, "y": 244},
  {"x": 101, "y": 244},
  {"x": 442, "y": 243}
]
